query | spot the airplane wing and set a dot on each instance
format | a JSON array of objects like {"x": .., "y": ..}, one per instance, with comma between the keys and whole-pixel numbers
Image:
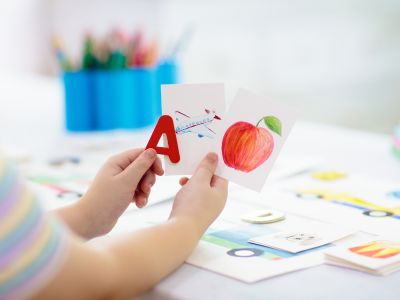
[
  {"x": 203, "y": 131},
  {"x": 181, "y": 114},
  {"x": 209, "y": 129}
]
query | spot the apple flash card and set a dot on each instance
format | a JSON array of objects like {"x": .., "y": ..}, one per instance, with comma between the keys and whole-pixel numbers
[
  {"x": 195, "y": 110},
  {"x": 250, "y": 139}
]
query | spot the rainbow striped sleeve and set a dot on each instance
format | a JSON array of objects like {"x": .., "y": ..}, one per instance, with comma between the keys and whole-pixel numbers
[{"x": 33, "y": 245}]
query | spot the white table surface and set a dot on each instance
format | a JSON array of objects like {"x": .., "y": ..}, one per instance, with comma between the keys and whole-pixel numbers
[
  {"x": 31, "y": 121},
  {"x": 344, "y": 149}
]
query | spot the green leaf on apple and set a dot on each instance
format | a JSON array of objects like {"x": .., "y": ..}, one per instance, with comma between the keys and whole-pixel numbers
[{"x": 274, "y": 124}]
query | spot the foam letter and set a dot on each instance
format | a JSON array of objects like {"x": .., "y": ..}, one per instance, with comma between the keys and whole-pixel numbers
[{"x": 165, "y": 125}]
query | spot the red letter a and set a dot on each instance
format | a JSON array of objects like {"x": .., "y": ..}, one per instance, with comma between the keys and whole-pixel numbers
[{"x": 165, "y": 125}]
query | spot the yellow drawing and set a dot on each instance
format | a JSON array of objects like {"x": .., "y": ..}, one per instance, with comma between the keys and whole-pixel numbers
[
  {"x": 369, "y": 209},
  {"x": 328, "y": 175},
  {"x": 377, "y": 249}
]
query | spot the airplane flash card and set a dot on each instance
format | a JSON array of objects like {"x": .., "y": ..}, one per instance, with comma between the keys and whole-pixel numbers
[{"x": 196, "y": 110}]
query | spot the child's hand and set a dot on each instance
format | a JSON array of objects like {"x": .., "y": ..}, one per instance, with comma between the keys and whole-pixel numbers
[
  {"x": 124, "y": 178},
  {"x": 202, "y": 197},
  {"x": 133, "y": 265}
]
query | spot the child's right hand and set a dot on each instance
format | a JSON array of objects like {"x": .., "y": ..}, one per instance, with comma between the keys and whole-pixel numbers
[{"x": 202, "y": 197}]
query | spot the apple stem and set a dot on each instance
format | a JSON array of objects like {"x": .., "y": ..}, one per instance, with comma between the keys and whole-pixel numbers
[{"x": 259, "y": 122}]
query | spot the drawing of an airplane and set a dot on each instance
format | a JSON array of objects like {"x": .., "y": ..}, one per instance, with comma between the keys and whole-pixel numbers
[{"x": 197, "y": 125}]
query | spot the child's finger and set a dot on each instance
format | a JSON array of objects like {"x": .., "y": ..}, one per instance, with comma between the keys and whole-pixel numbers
[
  {"x": 141, "y": 198},
  {"x": 124, "y": 159},
  {"x": 183, "y": 181},
  {"x": 157, "y": 167},
  {"x": 147, "y": 181},
  {"x": 135, "y": 171},
  {"x": 219, "y": 182},
  {"x": 206, "y": 168}
]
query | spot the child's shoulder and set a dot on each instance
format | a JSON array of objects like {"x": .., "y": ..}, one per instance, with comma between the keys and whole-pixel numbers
[
  {"x": 32, "y": 245},
  {"x": 6, "y": 165}
]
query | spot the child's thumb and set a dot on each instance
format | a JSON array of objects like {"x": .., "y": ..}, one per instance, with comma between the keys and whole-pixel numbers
[
  {"x": 135, "y": 171},
  {"x": 206, "y": 168}
]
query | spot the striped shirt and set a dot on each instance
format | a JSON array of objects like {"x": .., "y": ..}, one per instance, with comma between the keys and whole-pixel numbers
[{"x": 33, "y": 245}]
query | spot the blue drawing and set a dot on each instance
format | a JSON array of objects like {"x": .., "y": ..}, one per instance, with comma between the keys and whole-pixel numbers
[
  {"x": 236, "y": 241},
  {"x": 394, "y": 194}
]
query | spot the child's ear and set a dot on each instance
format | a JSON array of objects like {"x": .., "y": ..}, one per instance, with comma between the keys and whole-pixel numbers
[{"x": 165, "y": 125}]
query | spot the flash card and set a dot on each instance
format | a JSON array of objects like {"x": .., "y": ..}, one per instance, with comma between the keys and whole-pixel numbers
[
  {"x": 380, "y": 257},
  {"x": 250, "y": 139},
  {"x": 301, "y": 240},
  {"x": 196, "y": 110}
]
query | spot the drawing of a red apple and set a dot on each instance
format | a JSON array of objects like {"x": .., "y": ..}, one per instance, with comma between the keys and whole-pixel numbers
[{"x": 246, "y": 146}]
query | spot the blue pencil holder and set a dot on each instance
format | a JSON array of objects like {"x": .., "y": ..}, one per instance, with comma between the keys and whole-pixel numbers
[
  {"x": 114, "y": 93},
  {"x": 104, "y": 87},
  {"x": 105, "y": 100},
  {"x": 79, "y": 101},
  {"x": 145, "y": 84}
]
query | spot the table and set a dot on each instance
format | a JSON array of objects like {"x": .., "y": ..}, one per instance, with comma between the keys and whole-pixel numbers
[
  {"x": 30, "y": 118},
  {"x": 343, "y": 148}
]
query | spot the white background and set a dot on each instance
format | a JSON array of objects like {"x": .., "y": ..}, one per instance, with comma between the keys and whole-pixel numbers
[{"x": 337, "y": 60}]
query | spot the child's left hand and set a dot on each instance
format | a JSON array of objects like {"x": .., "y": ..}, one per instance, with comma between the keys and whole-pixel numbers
[{"x": 124, "y": 178}]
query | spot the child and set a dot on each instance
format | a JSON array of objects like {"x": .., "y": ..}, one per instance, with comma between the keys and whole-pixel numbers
[{"x": 41, "y": 259}]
